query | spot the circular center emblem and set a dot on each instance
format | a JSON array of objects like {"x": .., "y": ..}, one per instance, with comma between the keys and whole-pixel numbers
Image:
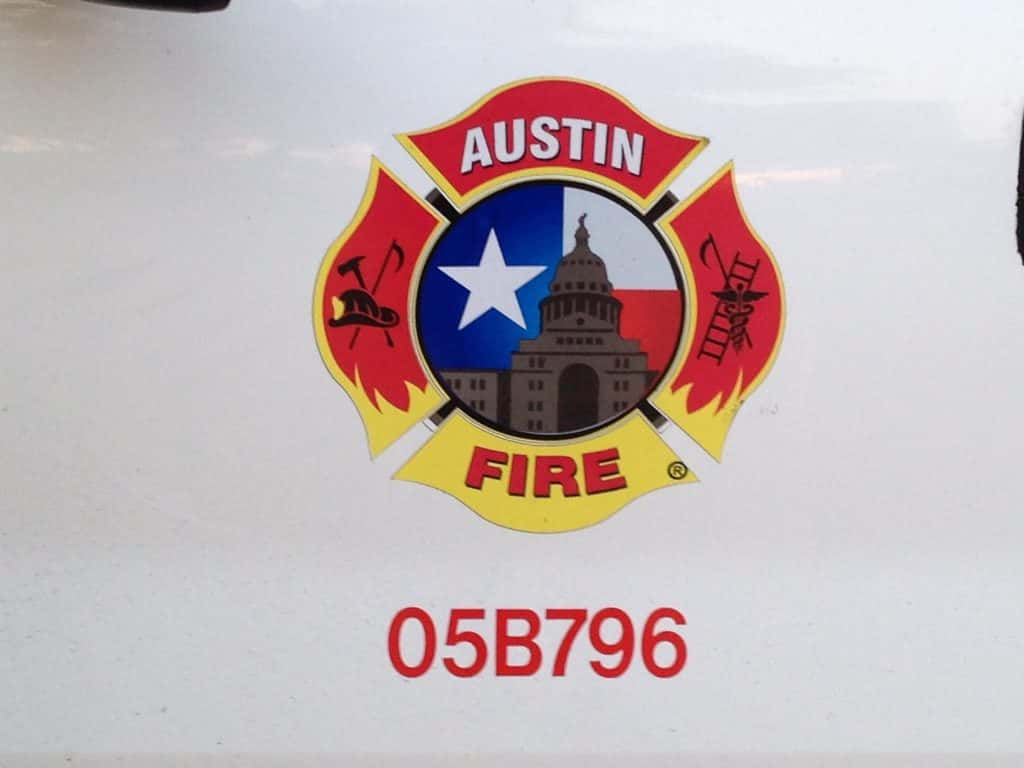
[{"x": 549, "y": 310}]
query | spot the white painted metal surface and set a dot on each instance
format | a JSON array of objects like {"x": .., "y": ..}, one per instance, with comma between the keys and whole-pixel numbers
[{"x": 196, "y": 556}]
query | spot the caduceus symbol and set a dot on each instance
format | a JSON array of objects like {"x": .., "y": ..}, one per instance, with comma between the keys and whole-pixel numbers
[
  {"x": 358, "y": 306},
  {"x": 736, "y": 300}
]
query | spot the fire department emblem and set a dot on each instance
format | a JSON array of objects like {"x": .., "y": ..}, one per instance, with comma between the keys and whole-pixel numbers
[{"x": 550, "y": 307}]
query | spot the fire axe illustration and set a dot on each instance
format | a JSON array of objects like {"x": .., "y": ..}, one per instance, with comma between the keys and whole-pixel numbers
[{"x": 358, "y": 306}]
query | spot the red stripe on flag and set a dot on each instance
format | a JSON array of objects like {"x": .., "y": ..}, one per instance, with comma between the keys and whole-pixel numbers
[{"x": 653, "y": 318}]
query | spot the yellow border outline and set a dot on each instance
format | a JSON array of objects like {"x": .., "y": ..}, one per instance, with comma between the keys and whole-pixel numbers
[
  {"x": 462, "y": 201},
  {"x": 377, "y": 168}
]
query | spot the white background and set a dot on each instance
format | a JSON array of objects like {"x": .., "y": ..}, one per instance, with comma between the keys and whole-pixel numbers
[{"x": 196, "y": 554}]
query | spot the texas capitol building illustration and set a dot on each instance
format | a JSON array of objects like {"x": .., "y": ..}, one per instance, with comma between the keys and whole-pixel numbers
[{"x": 578, "y": 372}]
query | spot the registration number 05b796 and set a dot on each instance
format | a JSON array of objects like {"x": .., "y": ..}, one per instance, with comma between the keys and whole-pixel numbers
[{"x": 518, "y": 642}]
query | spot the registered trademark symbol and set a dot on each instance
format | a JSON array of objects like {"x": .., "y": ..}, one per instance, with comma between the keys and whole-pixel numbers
[{"x": 677, "y": 470}]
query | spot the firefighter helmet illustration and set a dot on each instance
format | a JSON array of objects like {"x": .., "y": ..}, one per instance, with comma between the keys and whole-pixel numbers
[{"x": 550, "y": 307}]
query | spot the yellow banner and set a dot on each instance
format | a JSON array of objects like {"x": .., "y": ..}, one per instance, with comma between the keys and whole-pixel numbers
[{"x": 542, "y": 486}]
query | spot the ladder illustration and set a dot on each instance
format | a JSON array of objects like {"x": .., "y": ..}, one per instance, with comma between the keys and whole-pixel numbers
[{"x": 723, "y": 327}]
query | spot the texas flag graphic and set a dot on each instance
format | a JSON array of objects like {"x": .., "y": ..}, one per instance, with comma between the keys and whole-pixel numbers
[{"x": 549, "y": 309}]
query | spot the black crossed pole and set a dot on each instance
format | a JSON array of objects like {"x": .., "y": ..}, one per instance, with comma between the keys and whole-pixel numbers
[{"x": 353, "y": 265}]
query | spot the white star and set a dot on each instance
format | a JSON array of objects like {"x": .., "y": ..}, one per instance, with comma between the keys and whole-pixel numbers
[{"x": 492, "y": 284}]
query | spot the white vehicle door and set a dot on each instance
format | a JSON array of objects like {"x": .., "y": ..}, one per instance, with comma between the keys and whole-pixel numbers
[{"x": 659, "y": 403}]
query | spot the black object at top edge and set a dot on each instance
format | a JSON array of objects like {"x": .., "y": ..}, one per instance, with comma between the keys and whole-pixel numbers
[
  {"x": 1020, "y": 196},
  {"x": 188, "y": 6}
]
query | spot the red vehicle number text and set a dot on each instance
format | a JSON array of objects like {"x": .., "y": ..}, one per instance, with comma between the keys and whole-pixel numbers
[{"x": 517, "y": 641}]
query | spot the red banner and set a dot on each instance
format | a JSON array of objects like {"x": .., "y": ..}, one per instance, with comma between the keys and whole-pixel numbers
[{"x": 557, "y": 126}]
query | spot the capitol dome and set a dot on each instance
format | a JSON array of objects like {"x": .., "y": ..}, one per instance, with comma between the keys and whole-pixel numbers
[
  {"x": 580, "y": 294},
  {"x": 581, "y": 269}
]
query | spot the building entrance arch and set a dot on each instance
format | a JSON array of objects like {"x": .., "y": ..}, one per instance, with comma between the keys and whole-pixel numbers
[{"x": 578, "y": 397}]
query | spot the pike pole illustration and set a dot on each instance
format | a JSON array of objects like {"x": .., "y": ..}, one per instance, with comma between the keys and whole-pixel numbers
[{"x": 358, "y": 306}]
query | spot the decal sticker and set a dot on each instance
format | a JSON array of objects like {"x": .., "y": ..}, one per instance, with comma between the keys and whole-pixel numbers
[{"x": 549, "y": 306}]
